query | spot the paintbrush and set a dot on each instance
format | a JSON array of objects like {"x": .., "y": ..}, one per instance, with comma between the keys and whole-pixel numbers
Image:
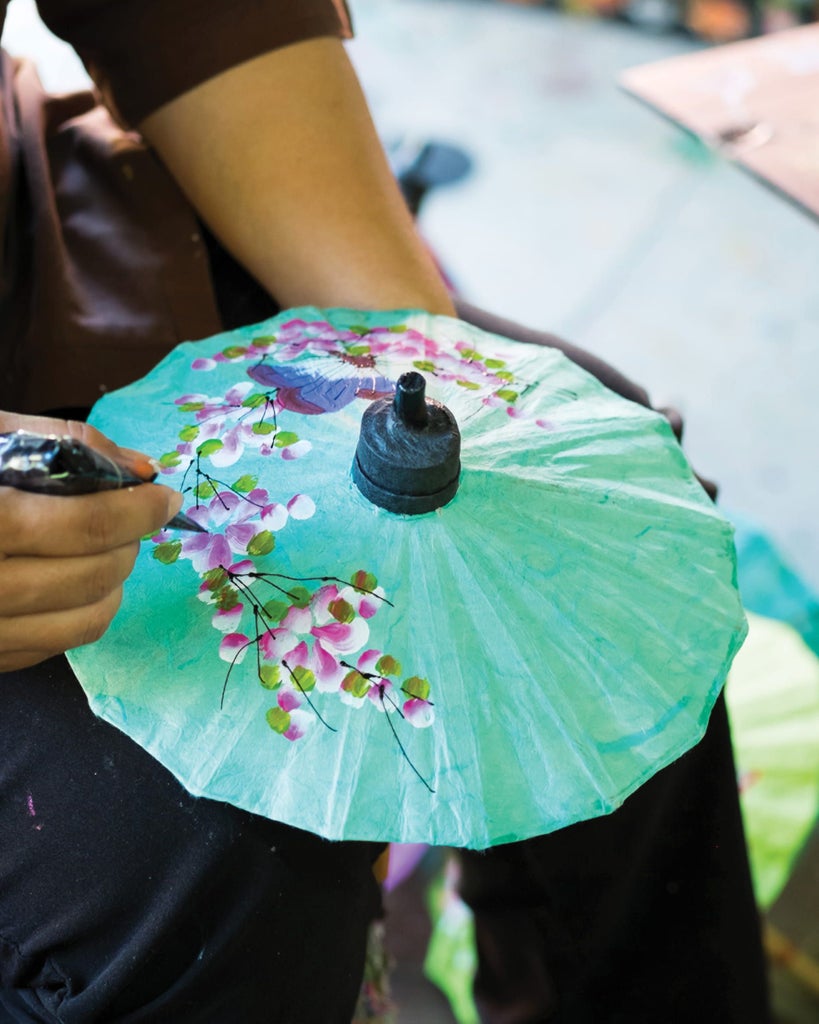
[{"x": 50, "y": 464}]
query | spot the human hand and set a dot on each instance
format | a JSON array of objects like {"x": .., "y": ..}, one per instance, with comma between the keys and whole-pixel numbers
[{"x": 63, "y": 559}]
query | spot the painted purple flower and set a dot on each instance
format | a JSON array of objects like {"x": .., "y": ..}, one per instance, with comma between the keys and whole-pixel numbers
[{"x": 239, "y": 517}]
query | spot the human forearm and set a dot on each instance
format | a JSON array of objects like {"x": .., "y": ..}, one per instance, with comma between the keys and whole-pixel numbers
[{"x": 280, "y": 158}]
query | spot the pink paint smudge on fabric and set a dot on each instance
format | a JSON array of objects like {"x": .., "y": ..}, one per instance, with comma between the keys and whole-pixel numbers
[{"x": 32, "y": 812}]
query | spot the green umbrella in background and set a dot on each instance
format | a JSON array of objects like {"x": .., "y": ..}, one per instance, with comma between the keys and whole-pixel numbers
[
  {"x": 451, "y": 590},
  {"x": 773, "y": 702}
]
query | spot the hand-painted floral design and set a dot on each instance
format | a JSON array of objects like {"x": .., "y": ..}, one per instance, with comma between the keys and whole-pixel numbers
[
  {"x": 225, "y": 426},
  {"x": 303, "y": 639},
  {"x": 248, "y": 525},
  {"x": 301, "y": 632},
  {"x": 313, "y": 367}
]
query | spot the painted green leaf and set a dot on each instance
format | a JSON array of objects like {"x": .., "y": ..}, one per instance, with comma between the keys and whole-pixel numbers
[
  {"x": 360, "y": 329},
  {"x": 505, "y": 375},
  {"x": 425, "y": 365},
  {"x": 471, "y": 353},
  {"x": 262, "y": 544},
  {"x": 494, "y": 364},
  {"x": 254, "y": 400},
  {"x": 227, "y": 598},
  {"x": 170, "y": 459},
  {"x": 364, "y": 581},
  {"x": 189, "y": 433},
  {"x": 508, "y": 395},
  {"x": 263, "y": 341},
  {"x": 275, "y": 611},
  {"x": 278, "y": 719},
  {"x": 215, "y": 578},
  {"x": 416, "y": 687},
  {"x": 299, "y": 596},
  {"x": 470, "y": 385},
  {"x": 245, "y": 483},
  {"x": 284, "y": 438},
  {"x": 398, "y": 329},
  {"x": 168, "y": 551},
  {"x": 234, "y": 351},
  {"x": 303, "y": 678},
  {"x": 359, "y": 350},
  {"x": 205, "y": 489},
  {"x": 387, "y": 666},
  {"x": 341, "y": 610},
  {"x": 356, "y": 684},
  {"x": 270, "y": 677},
  {"x": 191, "y": 406},
  {"x": 263, "y": 428},
  {"x": 209, "y": 447}
]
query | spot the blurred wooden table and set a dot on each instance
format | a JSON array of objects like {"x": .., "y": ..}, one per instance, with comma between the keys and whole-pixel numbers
[{"x": 757, "y": 101}]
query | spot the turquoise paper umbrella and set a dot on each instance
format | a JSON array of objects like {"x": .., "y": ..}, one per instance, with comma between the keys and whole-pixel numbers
[{"x": 527, "y": 631}]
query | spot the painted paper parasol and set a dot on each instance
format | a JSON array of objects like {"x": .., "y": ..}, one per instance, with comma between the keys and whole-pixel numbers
[{"x": 462, "y": 618}]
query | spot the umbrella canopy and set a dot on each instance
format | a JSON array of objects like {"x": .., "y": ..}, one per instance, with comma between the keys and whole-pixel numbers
[{"x": 521, "y": 657}]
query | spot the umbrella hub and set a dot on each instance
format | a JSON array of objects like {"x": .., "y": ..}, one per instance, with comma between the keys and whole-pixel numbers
[{"x": 408, "y": 454}]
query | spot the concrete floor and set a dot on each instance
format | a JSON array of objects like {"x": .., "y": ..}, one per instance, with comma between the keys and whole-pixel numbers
[{"x": 588, "y": 215}]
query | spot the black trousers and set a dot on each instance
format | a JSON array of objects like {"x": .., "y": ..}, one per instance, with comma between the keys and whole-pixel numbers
[
  {"x": 124, "y": 900},
  {"x": 645, "y": 916}
]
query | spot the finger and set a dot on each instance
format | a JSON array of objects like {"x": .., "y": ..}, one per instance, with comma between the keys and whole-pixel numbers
[
  {"x": 142, "y": 465},
  {"x": 30, "y": 585},
  {"x": 13, "y": 661},
  {"x": 54, "y": 632},
  {"x": 674, "y": 418},
  {"x": 85, "y": 524}
]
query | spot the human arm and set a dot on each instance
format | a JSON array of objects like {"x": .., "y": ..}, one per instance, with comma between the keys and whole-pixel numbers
[
  {"x": 63, "y": 559},
  {"x": 280, "y": 157}
]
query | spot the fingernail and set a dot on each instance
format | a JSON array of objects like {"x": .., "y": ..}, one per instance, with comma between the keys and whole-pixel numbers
[{"x": 143, "y": 466}]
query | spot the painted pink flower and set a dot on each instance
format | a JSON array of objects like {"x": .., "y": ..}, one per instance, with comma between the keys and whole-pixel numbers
[
  {"x": 319, "y": 636},
  {"x": 419, "y": 713},
  {"x": 234, "y": 647}
]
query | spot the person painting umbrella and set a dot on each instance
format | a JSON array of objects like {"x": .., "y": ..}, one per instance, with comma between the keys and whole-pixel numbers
[{"x": 122, "y": 897}]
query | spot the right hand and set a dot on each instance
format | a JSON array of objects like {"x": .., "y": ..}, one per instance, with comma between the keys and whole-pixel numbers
[{"x": 63, "y": 559}]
